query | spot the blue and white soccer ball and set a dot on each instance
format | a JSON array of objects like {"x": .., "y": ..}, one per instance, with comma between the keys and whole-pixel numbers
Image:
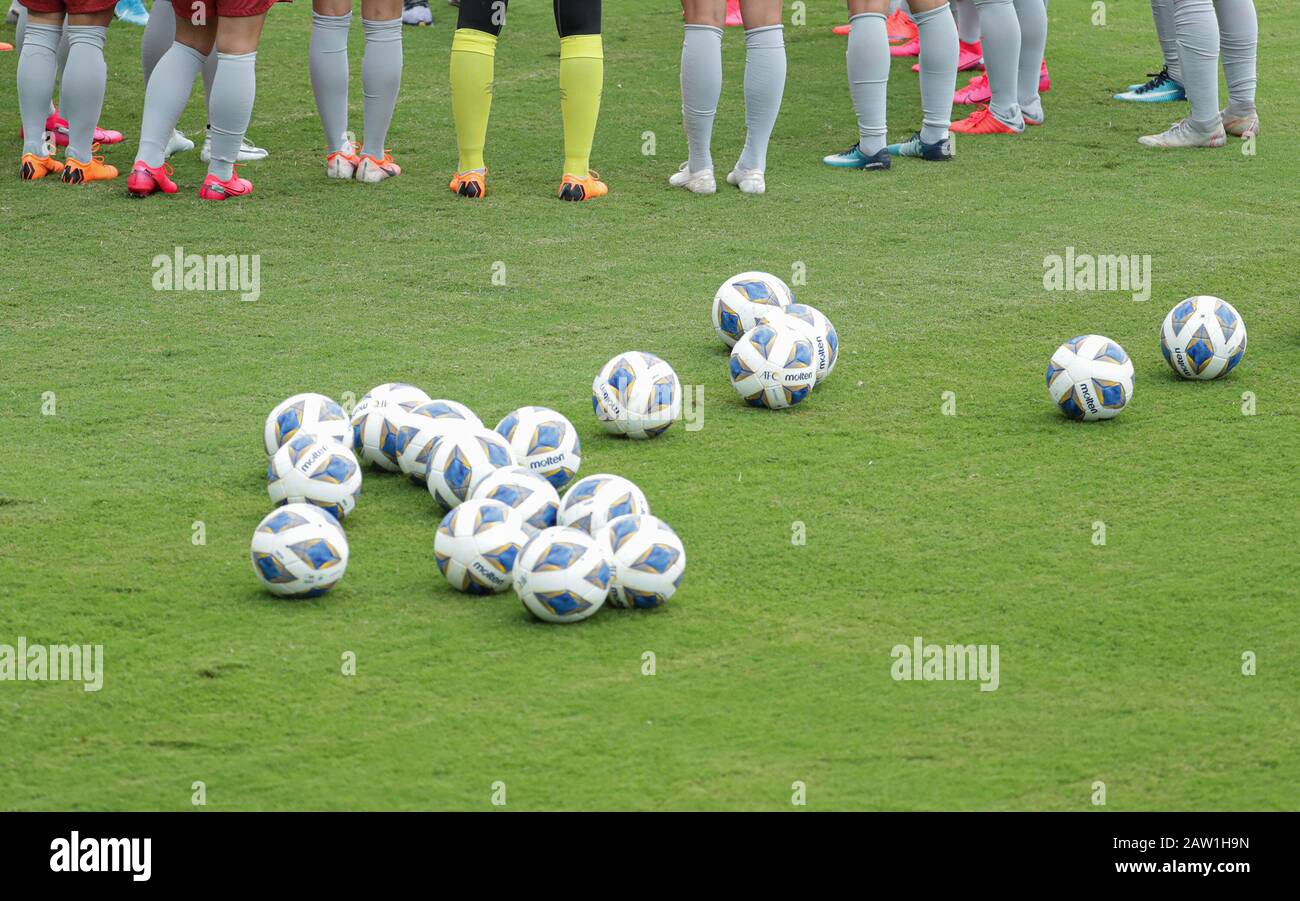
[
  {"x": 1090, "y": 377},
  {"x": 299, "y": 551},
  {"x": 637, "y": 394},
  {"x": 649, "y": 561},
  {"x": 593, "y": 501},
  {"x": 476, "y": 545},
  {"x": 1203, "y": 337},
  {"x": 545, "y": 442},
  {"x": 744, "y": 300},
  {"x": 814, "y": 326},
  {"x": 422, "y": 426},
  {"x": 308, "y": 471},
  {"x": 531, "y": 496},
  {"x": 562, "y": 575},
  {"x": 312, "y": 413},
  {"x": 774, "y": 365},
  {"x": 461, "y": 460},
  {"x": 377, "y": 418}
]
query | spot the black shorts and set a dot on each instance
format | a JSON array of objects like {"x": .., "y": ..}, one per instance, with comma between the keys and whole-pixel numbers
[{"x": 571, "y": 16}]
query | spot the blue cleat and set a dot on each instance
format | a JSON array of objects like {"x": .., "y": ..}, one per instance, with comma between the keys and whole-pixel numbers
[
  {"x": 132, "y": 12},
  {"x": 854, "y": 158},
  {"x": 1160, "y": 89},
  {"x": 938, "y": 152}
]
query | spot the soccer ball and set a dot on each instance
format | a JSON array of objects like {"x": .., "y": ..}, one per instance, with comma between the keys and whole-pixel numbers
[
  {"x": 637, "y": 394},
  {"x": 773, "y": 366},
  {"x": 419, "y": 429},
  {"x": 377, "y": 418},
  {"x": 743, "y": 300},
  {"x": 461, "y": 460},
  {"x": 310, "y": 471},
  {"x": 1090, "y": 377},
  {"x": 476, "y": 546},
  {"x": 813, "y": 325},
  {"x": 562, "y": 575},
  {"x": 545, "y": 442},
  {"x": 312, "y": 413},
  {"x": 526, "y": 492},
  {"x": 595, "y": 500},
  {"x": 648, "y": 560},
  {"x": 299, "y": 551},
  {"x": 1203, "y": 338}
]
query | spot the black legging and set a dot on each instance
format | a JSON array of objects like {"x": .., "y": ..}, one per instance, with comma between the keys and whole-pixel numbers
[{"x": 571, "y": 16}]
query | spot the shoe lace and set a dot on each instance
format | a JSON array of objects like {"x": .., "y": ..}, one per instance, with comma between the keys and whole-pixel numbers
[{"x": 1158, "y": 80}]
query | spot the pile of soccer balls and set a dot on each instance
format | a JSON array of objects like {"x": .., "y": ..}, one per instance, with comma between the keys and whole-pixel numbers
[{"x": 1091, "y": 377}]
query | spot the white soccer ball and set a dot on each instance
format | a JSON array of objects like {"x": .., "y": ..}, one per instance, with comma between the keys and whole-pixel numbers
[
  {"x": 309, "y": 471},
  {"x": 476, "y": 545},
  {"x": 1090, "y": 377},
  {"x": 312, "y": 413},
  {"x": 422, "y": 426},
  {"x": 299, "y": 551},
  {"x": 526, "y": 492},
  {"x": 562, "y": 575},
  {"x": 377, "y": 418},
  {"x": 637, "y": 394},
  {"x": 545, "y": 442},
  {"x": 774, "y": 365},
  {"x": 461, "y": 460},
  {"x": 648, "y": 560},
  {"x": 813, "y": 325},
  {"x": 593, "y": 501},
  {"x": 1203, "y": 338},
  {"x": 743, "y": 300}
]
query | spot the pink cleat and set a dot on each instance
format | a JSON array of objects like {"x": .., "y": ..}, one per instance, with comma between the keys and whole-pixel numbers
[
  {"x": 975, "y": 92},
  {"x": 969, "y": 56},
  {"x": 1044, "y": 80},
  {"x": 733, "y": 13},
  {"x": 145, "y": 180},
  {"x": 911, "y": 48},
  {"x": 216, "y": 189}
]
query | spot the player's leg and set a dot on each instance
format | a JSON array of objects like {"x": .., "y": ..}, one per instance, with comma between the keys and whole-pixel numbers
[
  {"x": 248, "y": 151},
  {"x": 1198, "y": 50},
  {"x": 328, "y": 65},
  {"x": 765, "y": 67},
  {"x": 1238, "y": 44},
  {"x": 159, "y": 35},
  {"x": 1167, "y": 84},
  {"x": 473, "y": 59},
  {"x": 940, "y": 56},
  {"x": 582, "y": 78},
  {"x": 381, "y": 78},
  {"x": 1001, "y": 40},
  {"x": 230, "y": 105},
  {"x": 701, "y": 80},
  {"x": 1033, "y": 44},
  {"x": 38, "y": 64},
  {"x": 82, "y": 93},
  {"x": 910, "y": 45},
  {"x": 867, "y": 62},
  {"x": 416, "y": 12}
]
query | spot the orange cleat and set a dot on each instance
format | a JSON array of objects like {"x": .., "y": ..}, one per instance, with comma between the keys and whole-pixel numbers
[
  {"x": 900, "y": 27},
  {"x": 470, "y": 183},
  {"x": 983, "y": 122},
  {"x": 215, "y": 189},
  {"x": 5, "y": 48},
  {"x": 34, "y": 167},
  {"x": 372, "y": 171},
  {"x": 841, "y": 30},
  {"x": 578, "y": 189},
  {"x": 145, "y": 180},
  {"x": 75, "y": 173}
]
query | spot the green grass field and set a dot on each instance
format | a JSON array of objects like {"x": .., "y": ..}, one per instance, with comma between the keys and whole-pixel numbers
[{"x": 1120, "y": 663}]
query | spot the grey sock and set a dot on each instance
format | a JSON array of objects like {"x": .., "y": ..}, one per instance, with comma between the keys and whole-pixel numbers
[
  {"x": 83, "y": 87},
  {"x": 1000, "y": 32},
  {"x": 764, "y": 86},
  {"x": 1239, "y": 42},
  {"x": 158, "y": 37},
  {"x": 329, "y": 75},
  {"x": 230, "y": 107},
  {"x": 1033, "y": 43},
  {"x": 1198, "y": 49},
  {"x": 63, "y": 62},
  {"x": 938, "y": 34},
  {"x": 36, "y": 70},
  {"x": 1162, "y": 11},
  {"x": 164, "y": 101},
  {"x": 968, "y": 20},
  {"x": 209, "y": 76},
  {"x": 381, "y": 78},
  {"x": 868, "y": 65},
  {"x": 20, "y": 27},
  {"x": 701, "y": 88}
]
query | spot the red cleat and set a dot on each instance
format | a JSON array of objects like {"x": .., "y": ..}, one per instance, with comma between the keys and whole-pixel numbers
[
  {"x": 969, "y": 56},
  {"x": 1044, "y": 80},
  {"x": 976, "y": 91},
  {"x": 983, "y": 122},
  {"x": 216, "y": 189},
  {"x": 145, "y": 180},
  {"x": 900, "y": 27},
  {"x": 841, "y": 30},
  {"x": 911, "y": 48}
]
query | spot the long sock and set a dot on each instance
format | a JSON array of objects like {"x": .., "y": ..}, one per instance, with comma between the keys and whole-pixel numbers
[
  {"x": 1162, "y": 11},
  {"x": 158, "y": 37},
  {"x": 1239, "y": 42},
  {"x": 1033, "y": 43},
  {"x": 63, "y": 62},
  {"x": 968, "y": 20},
  {"x": 582, "y": 74},
  {"x": 701, "y": 88},
  {"x": 868, "y": 64},
  {"x": 764, "y": 87},
  {"x": 230, "y": 107},
  {"x": 209, "y": 78},
  {"x": 20, "y": 29},
  {"x": 938, "y": 35},
  {"x": 164, "y": 100},
  {"x": 328, "y": 62},
  {"x": 473, "y": 57},
  {"x": 36, "y": 70},
  {"x": 381, "y": 78},
  {"x": 1198, "y": 49},
  {"x": 1000, "y": 33},
  {"x": 83, "y": 87}
]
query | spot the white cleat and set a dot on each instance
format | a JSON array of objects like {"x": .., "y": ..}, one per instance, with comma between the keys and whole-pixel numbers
[
  {"x": 1181, "y": 134},
  {"x": 372, "y": 170},
  {"x": 701, "y": 182},
  {"x": 1241, "y": 126},
  {"x": 342, "y": 163},
  {"x": 750, "y": 181},
  {"x": 178, "y": 143},
  {"x": 248, "y": 152}
]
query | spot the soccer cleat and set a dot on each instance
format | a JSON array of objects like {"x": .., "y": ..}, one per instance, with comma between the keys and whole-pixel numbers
[
  {"x": 470, "y": 183},
  {"x": 900, "y": 28},
  {"x": 938, "y": 152},
  {"x": 854, "y": 158},
  {"x": 5, "y": 48},
  {"x": 983, "y": 122},
  {"x": 216, "y": 189},
  {"x": 35, "y": 167},
  {"x": 372, "y": 171},
  {"x": 145, "y": 180},
  {"x": 1181, "y": 134},
  {"x": 178, "y": 143},
  {"x": 342, "y": 163},
  {"x": 734, "y": 17},
  {"x": 1241, "y": 126},
  {"x": 1161, "y": 88},
  {"x": 577, "y": 189},
  {"x": 75, "y": 173},
  {"x": 1031, "y": 119},
  {"x": 841, "y": 30},
  {"x": 911, "y": 48},
  {"x": 132, "y": 12},
  {"x": 418, "y": 13},
  {"x": 976, "y": 91},
  {"x": 248, "y": 152},
  {"x": 701, "y": 182},
  {"x": 750, "y": 181},
  {"x": 1044, "y": 79},
  {"x": 59, "y": 127},
  {"x": 969, "y": 56}
]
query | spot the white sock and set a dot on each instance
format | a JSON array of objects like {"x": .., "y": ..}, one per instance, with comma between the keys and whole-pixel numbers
[
  {"x": 764, "y": 87},
  {"x": 37, "y": 66},
  {"x": 1198, "y": 49},
  {"x": 82, "y": 88},
  {"x": 939, "y": 51},
  {"x": 1238, "y": 44},
  {"x": 164, "y": 101},
  {"x": 230, "y": 107},
  {"x": 328, "y": 62},
  {"x": 868, "y": 65},
  {"x": 1162, "y": 11},
  {"x": 381, "y": 78},
  {"x": 701, "y": 88},
  {"x": 1000, "y": 33},
  {"x": 1033, "y": 43}
]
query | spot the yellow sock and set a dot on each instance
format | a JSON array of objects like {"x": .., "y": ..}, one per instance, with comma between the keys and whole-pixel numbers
[
  {"x": 473, "y": 54},
  {"x": 582, "y": 72}
]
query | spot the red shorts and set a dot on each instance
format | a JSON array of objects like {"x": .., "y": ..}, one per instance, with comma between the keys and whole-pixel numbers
[
  {"x": 71, "y": 7},
  {"x": 187, "y": 9}
]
